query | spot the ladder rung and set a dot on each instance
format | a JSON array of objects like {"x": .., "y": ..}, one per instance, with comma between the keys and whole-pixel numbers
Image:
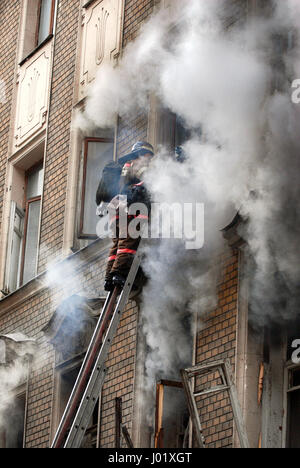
[
  {"x": 218, "y": 388},
  {"x": 192, "y": 371}
]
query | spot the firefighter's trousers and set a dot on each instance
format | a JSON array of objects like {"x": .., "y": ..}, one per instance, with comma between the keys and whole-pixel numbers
[{"x": 123, "y": 250}]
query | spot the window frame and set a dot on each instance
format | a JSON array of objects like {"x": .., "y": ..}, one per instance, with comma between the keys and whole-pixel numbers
[
  {"x": 35, "y": 46},
  {"x": 86, "y": 141},
  {"x": 50, "y": 32},
  {"x": 27, "y": 203}
]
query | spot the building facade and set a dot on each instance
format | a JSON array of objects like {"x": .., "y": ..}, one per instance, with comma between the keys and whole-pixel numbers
[{"x": 51, "y": 51}]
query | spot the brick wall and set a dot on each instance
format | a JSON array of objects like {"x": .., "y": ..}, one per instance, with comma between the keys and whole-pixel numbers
[
  {"x": 217, "y": 340},
  {"x": 58, "y": 144},
  {"x": 9, "y": 24},
  {"x": 136, "y": 12}
]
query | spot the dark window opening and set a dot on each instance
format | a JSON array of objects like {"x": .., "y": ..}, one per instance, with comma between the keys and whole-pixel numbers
[
  {"x": 173, "y": 131},
  {"x": 67, "y": 381},
  {"x": 12, "y": 429},
  {"x": 172, "y": 417},
  {"x": 97, "y": 153},
  {"x": 293, "y": 416}
]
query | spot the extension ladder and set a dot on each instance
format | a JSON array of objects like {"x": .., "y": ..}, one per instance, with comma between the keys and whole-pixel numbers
[
  {"x": 225, "y": 373},
  {"x": 90, "y": 379}
]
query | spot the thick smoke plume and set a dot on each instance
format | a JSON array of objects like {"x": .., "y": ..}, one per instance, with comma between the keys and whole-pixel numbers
[
  {"x": 16, "y": 351},
  {"x": 229, "y": 80}
]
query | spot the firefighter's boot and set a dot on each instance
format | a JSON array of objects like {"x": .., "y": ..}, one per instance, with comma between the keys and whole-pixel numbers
[{"x": 118, "y": 280}]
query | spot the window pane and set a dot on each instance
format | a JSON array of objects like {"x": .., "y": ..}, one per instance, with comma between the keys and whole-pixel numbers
[
  {"x": 31, "y": 241},
  {"x": 15, "y": 262},
  {"x": 35, "y": 184},
  {"x": 16, "y": 244},
  {"x": 98, "y": 155},
  {"x": 45, "y": 20}
]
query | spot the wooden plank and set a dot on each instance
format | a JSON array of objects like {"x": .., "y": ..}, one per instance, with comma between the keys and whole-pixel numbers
[
  {"x": 171, "y": 383},
  {"x": 159, "y": 415}
]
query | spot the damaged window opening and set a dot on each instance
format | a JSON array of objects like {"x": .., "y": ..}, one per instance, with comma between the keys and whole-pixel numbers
[
  {"x": 12, "y": 423},
  {"x": 67, "y": 382},
  {"x": 96, "y": 153},
  {"x": 171, "y": 415}
]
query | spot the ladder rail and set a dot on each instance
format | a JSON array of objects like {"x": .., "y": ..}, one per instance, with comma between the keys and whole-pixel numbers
[
  {"x": 98, "y": 374},
  {"x": 82, "y": 375}
]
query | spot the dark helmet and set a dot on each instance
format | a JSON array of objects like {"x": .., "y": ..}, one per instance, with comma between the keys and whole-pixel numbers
[
  {"x": 180, "y": 155},
  {"x": 138, "y": 149},
  {"x": 142, "y": 147}
]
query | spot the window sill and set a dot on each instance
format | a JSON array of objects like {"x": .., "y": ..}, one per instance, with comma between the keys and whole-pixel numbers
[{"x": 40, "y": 46}]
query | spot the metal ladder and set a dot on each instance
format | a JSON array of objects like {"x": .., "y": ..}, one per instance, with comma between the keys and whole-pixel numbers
[
  {"x": 91, "y": 376},
  {"x": 225, "y": 371}
]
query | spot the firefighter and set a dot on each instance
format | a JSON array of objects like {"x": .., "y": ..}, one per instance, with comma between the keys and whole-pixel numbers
[{"x": 132, "y": 190}]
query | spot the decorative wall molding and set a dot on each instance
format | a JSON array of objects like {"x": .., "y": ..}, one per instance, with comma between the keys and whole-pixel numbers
[
  {"x": 102, "y": 23},
  {"x": 32, "y": 97}
]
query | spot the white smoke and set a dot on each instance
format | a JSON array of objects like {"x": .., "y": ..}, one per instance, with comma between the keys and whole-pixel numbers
[
  {"x": 16, "y": 351},
  {"x": 247, "y": 158}
]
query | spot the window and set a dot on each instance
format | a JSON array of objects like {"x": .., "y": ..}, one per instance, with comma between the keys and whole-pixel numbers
[
  {"x": 33, "y": 192},
  {"x": 67, "y": 381},
  {"x": 12, "y": 423},
  {"x": 171, "y": 415},
  {"x": 172, "y": 131},
  {"x": 45, "y": 20},
  {"x": 24, "y": 226},
  {"x": 97, "y": 152},
  {"x": 293, "y": 408},
  {"x": 38, "y": 25}
]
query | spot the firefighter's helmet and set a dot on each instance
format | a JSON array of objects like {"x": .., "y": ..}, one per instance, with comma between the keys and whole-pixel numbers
[{"x": 138, "y": 149}]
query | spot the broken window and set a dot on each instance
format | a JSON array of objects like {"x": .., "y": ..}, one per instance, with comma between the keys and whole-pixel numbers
[
  {"x": 293, "y": 416},
  {"x": 96, "y": 153},
  {"x": 12, "y": 423}
]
